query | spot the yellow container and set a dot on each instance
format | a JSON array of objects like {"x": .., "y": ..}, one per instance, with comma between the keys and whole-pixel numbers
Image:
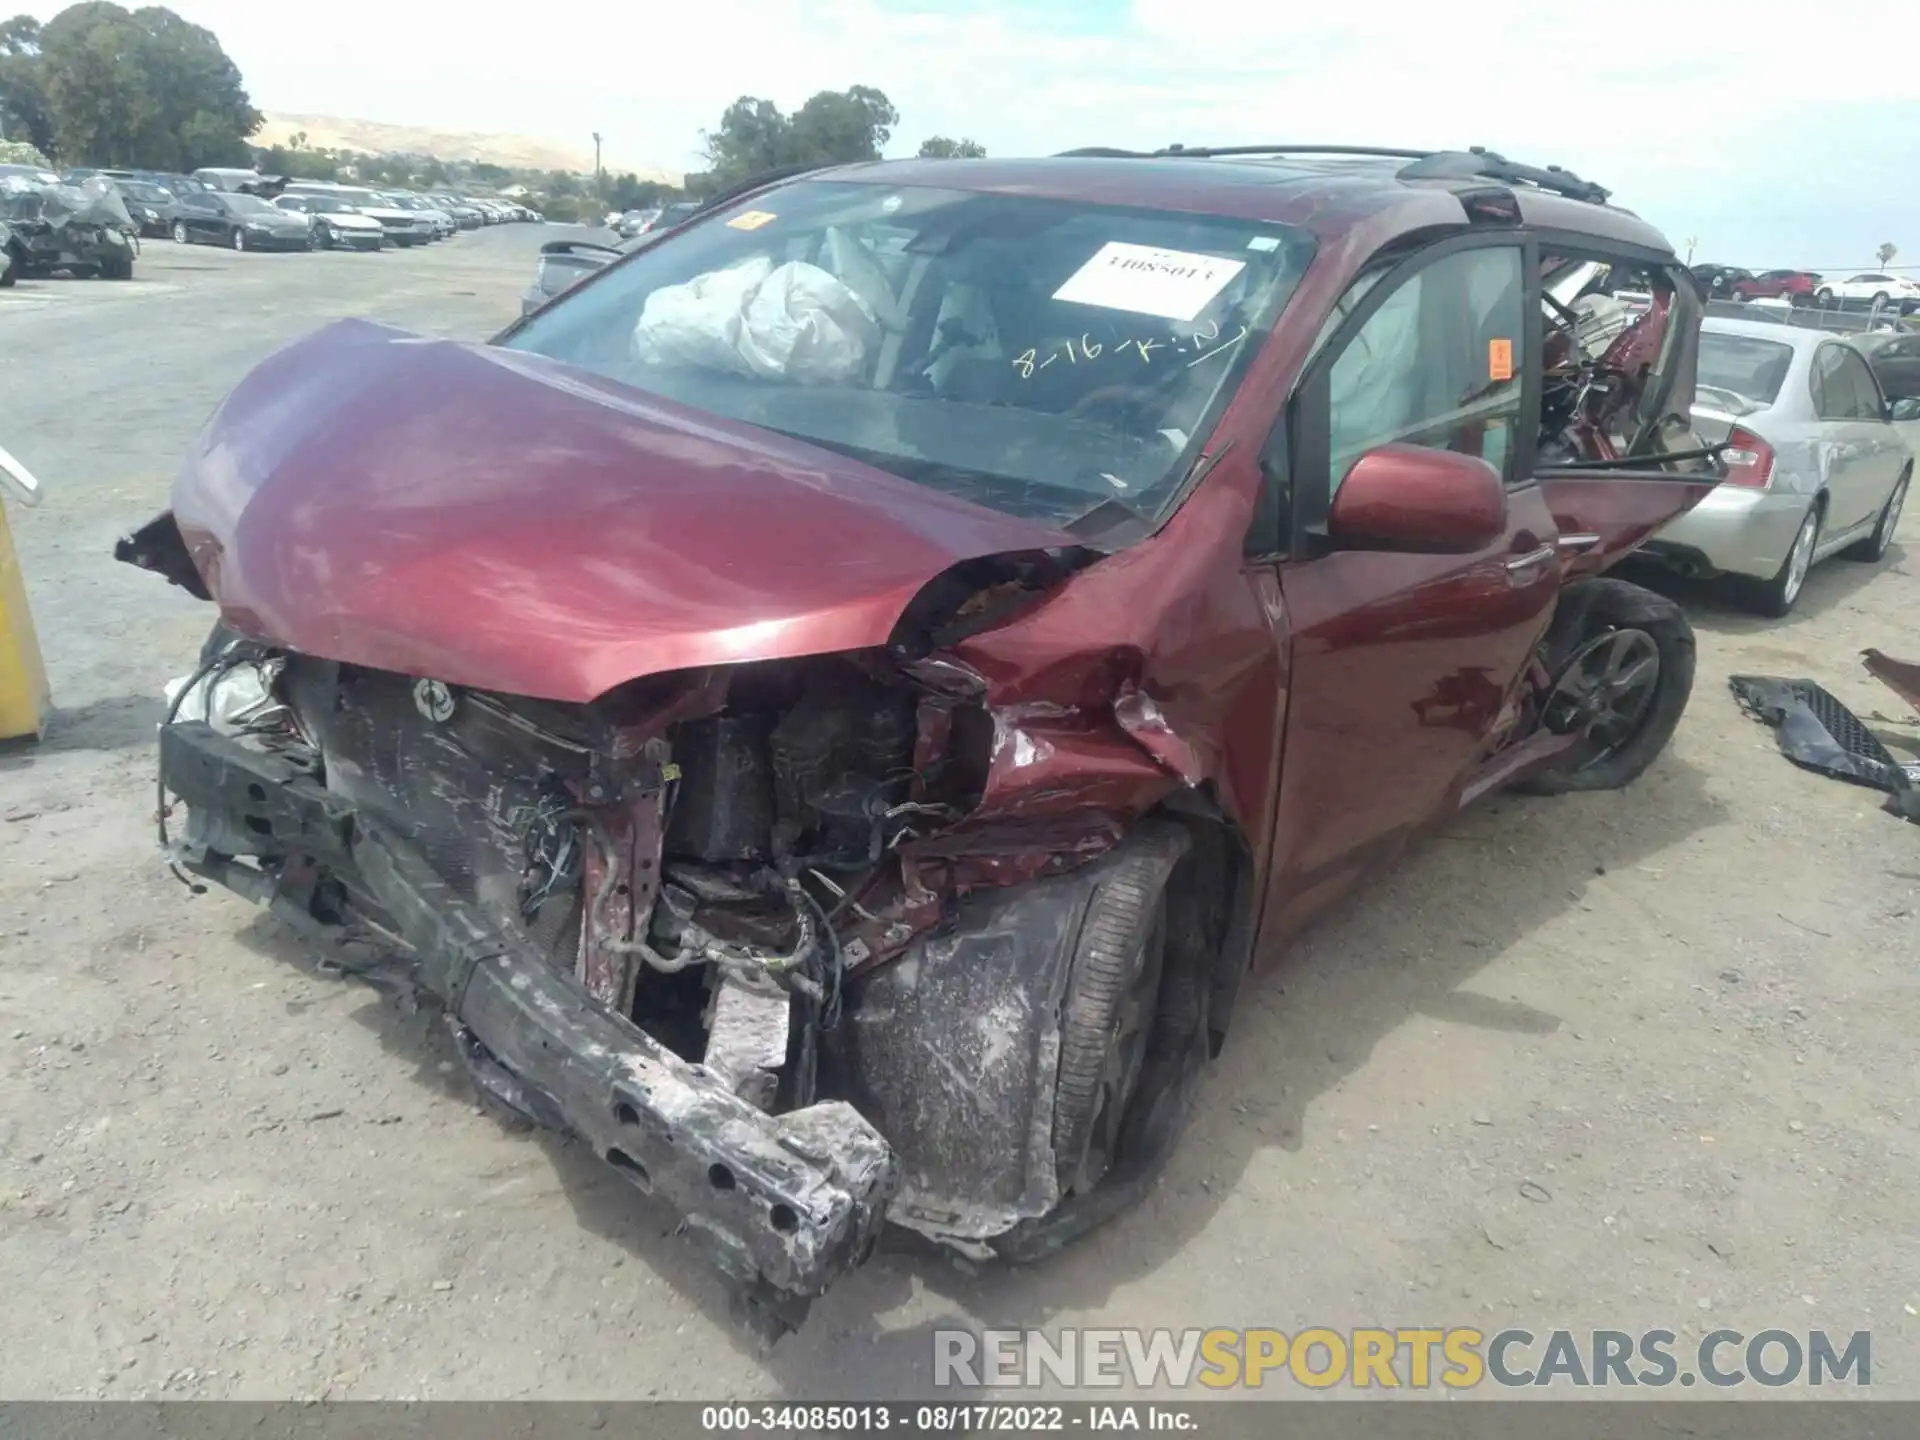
[{"x": 23, "y": 673}]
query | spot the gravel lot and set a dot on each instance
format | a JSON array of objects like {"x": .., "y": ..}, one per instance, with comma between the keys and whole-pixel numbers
[{"x": 1686, "y": 1013}]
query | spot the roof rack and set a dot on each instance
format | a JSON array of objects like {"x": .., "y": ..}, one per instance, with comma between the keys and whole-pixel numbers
[{"x": 1476, "y": 163}]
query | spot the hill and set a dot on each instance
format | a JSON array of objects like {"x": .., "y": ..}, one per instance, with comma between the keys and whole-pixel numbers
[{"x": 373, "y": 137}]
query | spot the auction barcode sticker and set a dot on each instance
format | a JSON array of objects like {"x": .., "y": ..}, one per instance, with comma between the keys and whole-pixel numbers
[{"x": 1146, "y": 280}]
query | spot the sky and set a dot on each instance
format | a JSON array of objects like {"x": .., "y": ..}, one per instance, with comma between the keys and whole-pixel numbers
[{"x": 1759, "y": 141}]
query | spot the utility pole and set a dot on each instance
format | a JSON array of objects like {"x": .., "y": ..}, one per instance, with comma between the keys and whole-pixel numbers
[
  {"x": 596, "y": 159},
  {"x": 1692, "y": 241}
]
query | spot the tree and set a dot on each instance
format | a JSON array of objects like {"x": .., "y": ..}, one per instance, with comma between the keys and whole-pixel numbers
[
  {"x": 834, "y": 127},
  {"x": 137, "y": 87},
  {"x": 1886, "y": 253},
  {"x": 630, "y": 192},
  {"x": 939, "y": 147},
  {"x": 295, "y": 163},
  {"x": 24, "y": 112}
]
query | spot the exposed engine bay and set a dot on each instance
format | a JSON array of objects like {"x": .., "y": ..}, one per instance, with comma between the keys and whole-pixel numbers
[{"x": 768, "y": 870}]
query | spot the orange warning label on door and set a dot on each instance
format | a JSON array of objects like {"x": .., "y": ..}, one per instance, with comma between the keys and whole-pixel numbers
[{"x": 1500, "y": 359}]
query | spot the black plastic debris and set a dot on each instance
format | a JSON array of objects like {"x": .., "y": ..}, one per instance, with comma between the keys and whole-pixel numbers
[{"x": 1818, "y": 733}]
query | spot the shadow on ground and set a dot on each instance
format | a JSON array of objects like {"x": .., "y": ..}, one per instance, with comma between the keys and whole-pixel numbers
[
  {"x": 124, "y": 722},
  {"x": 1715, "y": 604}
]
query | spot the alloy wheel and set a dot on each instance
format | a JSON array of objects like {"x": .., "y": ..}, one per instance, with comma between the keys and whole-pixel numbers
[
  {"x": 1605, "y": 691},
  {"x": 239, "y": 239},
  {"x": 179, "y": 232},
  {"x": 1800, "y": 559},
  {"x": 1890, "y": 518}
]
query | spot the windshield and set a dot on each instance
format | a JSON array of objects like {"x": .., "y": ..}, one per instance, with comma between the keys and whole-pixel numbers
[
  {"x": 1743, "y": 365},
  {"x": 250, "y": 205},
  {"x": 356, "y": 197},
  {"x": 151, "y": 194},
  {"x": 1038, "y": 356}
]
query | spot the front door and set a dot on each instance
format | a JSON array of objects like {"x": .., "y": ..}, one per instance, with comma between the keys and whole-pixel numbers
[
  {"x": 1402, "y": 663},
  {"x": 203, "y": 216}
]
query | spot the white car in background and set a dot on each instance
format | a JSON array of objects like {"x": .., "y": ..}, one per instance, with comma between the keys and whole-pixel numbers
[
  {"x": 402, "y": 227},
  {"x": 1871, "y": 288},
  {"x": 336, "y": 224}
]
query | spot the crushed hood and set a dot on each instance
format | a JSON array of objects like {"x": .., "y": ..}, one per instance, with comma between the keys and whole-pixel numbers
[{"x": 496, "y": 520}]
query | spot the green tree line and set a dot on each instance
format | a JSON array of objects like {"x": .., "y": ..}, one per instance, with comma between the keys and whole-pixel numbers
[
  {"x": 100, "y": 84},
  {"x": 834, "y": 127}
]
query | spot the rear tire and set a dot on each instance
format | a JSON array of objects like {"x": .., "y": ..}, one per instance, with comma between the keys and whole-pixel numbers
[
  {"x": 1874, "y": 548},
  {"x": 1776, "y": 598},
  {"x": 1638, "y": 623},
  {"x": 1823, "y": 295}
]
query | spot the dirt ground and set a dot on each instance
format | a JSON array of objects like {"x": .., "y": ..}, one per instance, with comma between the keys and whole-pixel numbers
[{"x": 1684, "y": 1013}]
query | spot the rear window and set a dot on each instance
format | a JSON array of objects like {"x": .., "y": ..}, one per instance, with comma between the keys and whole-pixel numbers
[
  {"x": 1744, "y": 366},
  {"x": 1038, "y": 356}
]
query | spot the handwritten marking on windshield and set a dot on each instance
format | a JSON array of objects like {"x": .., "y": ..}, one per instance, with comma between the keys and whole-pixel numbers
[{"x": 1030, "y": 362}]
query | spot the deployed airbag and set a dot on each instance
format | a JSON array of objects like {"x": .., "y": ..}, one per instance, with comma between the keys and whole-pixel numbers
[{"x": 794, "y": 322}]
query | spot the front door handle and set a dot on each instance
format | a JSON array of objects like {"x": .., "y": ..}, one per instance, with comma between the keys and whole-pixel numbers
[{"x": 1531, "y": 560}]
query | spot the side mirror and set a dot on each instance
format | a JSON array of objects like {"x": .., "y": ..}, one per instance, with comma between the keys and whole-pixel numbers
[
  {"x": 1904, "y": 409},
  {"x": 1407, "y": 497}
]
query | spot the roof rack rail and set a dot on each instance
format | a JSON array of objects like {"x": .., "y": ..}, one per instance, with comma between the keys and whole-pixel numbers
[
  {"x": 1476, "y": 163},
  {"x": 1482, "y": 163}
]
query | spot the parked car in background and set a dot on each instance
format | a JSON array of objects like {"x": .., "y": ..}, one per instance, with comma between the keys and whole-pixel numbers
[
  {"x": 1717, "y": 281},
  {"x": 566, "y": 262},
  {"x": 1894, "y": 356},
  {"x": 402, "y": 226},
  {"x": 1897, "y": 292},
  {"x": 335, "y": 225},
  {"x": 1815, "y": 466},
  {"x": 8, "y": 273},
  {"x": 1172, "y": 594},
  {"x": 1794, "y": 286},
  {"x": 241, "y": 182},
  {"x": 439, "y": 220},
  {"x": 32, "y": 174},
  {"x": 76, "y": 230},
  {"x": 240, "y": 222},
  {"x": 465, "y": 215},
  {"x": 635, "y": 222},
  {"x": 152, "y": 206}
]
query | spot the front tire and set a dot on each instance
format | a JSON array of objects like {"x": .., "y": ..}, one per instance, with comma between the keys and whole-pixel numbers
[
  {"x": 1874, "y": 548},
  {"x": 322, "y": 237},
  {"x": 238, "y": 239},
  {"x": 180, "y": 236},
  {"x": 1622, "y": 682},
  {"x": 1776, "y": 598},
  {"x": 1823, "y": 296},
  {"x": 1107, "y": 1020}
]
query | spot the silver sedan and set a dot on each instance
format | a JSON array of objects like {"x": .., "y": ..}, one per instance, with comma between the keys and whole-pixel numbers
[{"x": 1815, "y": 466}]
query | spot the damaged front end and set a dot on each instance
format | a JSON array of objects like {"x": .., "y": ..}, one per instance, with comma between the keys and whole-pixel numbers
[{"x": 790, "y": 943}]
